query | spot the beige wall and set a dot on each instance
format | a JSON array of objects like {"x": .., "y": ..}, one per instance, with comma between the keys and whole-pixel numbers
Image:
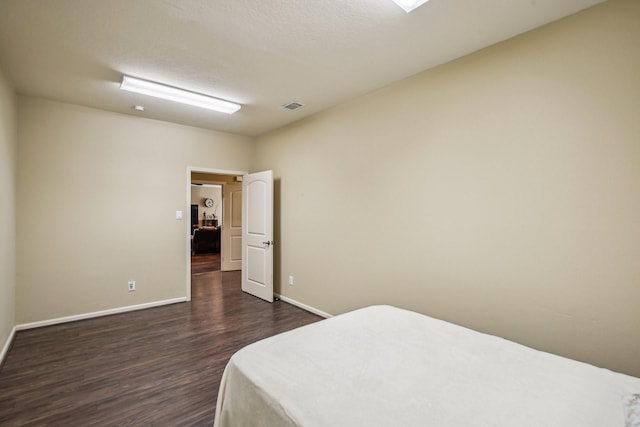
[
  {"x": 198, "y": 196},
  {"x": 97, "y": 198},
  {"x": 8, "y": 166},
  {"x": 212, "y": 178},
  {"x": 500, "y": 191}
]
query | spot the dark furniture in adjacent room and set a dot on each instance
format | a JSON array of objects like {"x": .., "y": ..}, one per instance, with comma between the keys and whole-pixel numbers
[
  {"x": 206, "y": 239},
  {"x": 194, "y": 217}
]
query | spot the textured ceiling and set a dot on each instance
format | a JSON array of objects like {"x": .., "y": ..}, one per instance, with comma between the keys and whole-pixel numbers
[{"x": 259, "y": 53}]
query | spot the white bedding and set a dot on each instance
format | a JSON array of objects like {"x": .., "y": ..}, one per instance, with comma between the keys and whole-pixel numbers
[{"x": 383, "y": 366}]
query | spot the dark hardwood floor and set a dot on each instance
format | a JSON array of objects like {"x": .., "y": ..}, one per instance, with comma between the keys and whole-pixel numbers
[
  {"x": 156, "y": 367},
  {"x": 205, "y": 263}
]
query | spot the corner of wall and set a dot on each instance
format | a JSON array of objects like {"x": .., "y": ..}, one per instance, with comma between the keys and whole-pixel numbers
[{"x": 8, "y": 166}]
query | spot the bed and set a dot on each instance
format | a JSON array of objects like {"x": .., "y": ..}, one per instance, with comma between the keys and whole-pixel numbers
[{"x": 384, "y": 366}]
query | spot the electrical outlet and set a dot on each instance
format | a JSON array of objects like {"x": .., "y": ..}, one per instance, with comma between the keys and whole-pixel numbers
[
  {"x": 290, "y": 280},
  {"x": 132, "y": 285}
]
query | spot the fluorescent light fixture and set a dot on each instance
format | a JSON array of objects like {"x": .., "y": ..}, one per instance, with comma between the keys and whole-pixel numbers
[
  {"x": 170, "y": 93},
  {"x": 409, "y": 5}
]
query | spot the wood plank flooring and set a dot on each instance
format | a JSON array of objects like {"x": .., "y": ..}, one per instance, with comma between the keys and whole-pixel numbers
[
  {"x": 205, "y": 263},
  {"x": 156, "y": 367}
]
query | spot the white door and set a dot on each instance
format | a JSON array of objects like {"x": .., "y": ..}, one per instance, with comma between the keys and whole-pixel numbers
[
  {"x": 231, "y": 237},
  {"x": 257, "y": 234}
]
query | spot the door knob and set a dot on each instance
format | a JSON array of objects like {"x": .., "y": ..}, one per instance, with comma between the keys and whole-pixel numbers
[{"x": 268, "y": 242}]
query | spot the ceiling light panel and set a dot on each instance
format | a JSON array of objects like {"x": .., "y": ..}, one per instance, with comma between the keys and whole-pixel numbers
[
  {"x": 409, "y": 5},
  {"x": 175, "y": 94}
]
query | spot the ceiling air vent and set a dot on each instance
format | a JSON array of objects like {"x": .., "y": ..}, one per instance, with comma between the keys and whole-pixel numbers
[{"x": 292, "y": 106}]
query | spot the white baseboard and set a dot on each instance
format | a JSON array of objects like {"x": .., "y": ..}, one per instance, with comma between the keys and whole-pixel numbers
[
  {"x": 83, "y": 316},
  {"x": 304, "y": 306},
  {"x": 7, "y": 345}
]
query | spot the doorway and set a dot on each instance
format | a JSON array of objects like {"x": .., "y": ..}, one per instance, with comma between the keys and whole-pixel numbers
[
  {"x": 206, "y": 220},
  {"x": 209, "y": 190}
]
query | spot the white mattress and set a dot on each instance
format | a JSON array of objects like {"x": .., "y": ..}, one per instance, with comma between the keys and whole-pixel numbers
[{"x": 383, "y": 366}]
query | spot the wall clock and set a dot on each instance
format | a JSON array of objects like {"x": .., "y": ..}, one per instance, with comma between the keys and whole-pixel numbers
[{"x": 208, "y": 203}]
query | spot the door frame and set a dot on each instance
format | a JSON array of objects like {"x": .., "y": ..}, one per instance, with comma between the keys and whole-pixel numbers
[{"x": 187, "y": 228}]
